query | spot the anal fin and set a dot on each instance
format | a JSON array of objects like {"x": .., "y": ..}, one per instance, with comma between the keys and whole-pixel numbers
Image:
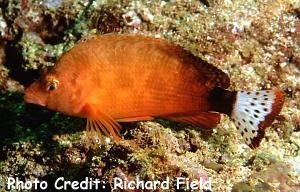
[
  {"x": 138, "y": 118},
  {"x": 206, "y": 120}
]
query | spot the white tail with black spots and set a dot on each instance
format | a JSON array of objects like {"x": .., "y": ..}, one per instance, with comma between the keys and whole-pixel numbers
[{"x": 253, "y": 111}]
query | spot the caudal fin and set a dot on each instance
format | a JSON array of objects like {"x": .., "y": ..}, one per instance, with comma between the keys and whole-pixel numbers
[{"x": 253, "y": 111}]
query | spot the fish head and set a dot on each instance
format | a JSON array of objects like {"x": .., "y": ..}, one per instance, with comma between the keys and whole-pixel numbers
[{"x": 51, "y": 91}]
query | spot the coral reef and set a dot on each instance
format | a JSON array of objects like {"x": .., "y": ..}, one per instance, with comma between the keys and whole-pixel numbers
[{"x": 255, "y": 42}]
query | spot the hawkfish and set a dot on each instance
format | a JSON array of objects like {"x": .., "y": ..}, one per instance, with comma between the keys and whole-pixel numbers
[{"x": 115, "y": 78}]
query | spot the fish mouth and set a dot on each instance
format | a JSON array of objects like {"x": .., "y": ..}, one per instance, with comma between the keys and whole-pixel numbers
[{"x": 31, "y": 97}]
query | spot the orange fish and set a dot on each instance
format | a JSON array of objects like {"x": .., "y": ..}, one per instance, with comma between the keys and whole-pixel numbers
[{"x": 119, "y": 78}]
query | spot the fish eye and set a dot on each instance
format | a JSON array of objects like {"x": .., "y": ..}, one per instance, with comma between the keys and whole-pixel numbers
[{"x": 53, "y": 85}]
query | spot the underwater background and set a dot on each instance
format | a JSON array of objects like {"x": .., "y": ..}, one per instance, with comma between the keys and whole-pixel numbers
[{"x": 257, "y": 43}]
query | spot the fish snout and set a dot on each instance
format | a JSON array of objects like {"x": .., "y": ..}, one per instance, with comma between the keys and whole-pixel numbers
[{"x": 31, "y": 96}]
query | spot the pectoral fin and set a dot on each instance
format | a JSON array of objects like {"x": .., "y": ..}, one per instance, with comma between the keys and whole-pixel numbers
[
  {"x": 206, "y": 120},
  {"x": 99, "y": 124}
]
